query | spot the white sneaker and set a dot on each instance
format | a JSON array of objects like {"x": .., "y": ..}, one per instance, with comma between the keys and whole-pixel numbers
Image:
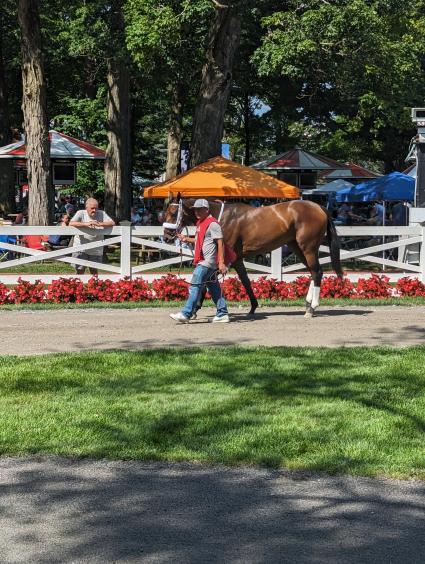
[
  {"x": 179, "y": 317},
  {"x": 221, "y": 319}
]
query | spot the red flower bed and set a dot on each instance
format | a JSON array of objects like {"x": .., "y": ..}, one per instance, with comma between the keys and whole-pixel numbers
[
  {"x": 67, "y": 290},
  {"x": 334, "y": 287},
  {"x": 374, "y": 287},
  {"x": 27, "y": 292},
  {"x": 233, "y": 290},
  {"x": 172, "y": 288},
  {"x": 4, "y": 294},
  {"x": 410, "y": 287}
]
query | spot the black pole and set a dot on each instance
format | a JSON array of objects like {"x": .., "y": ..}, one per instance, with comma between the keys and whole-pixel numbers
[{"x": 420, "y": 176}]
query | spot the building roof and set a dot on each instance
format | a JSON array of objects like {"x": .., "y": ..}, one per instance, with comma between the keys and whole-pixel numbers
[
  {"x": 298, "y": 159},
  {"x": 61, "y": 147},
  {"x": 350, "y": 170}
]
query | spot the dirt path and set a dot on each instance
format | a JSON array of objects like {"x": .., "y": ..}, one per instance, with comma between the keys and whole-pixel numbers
[
  {"x": 39, "y": 332},
  {"x": 68, "y": 511}
]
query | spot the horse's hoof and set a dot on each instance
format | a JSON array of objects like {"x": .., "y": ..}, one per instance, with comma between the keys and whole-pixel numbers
[{"x": 309, "y": 313}]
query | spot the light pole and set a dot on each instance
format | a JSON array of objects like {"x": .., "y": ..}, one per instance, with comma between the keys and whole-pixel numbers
[{"x": 418, "y": 117}]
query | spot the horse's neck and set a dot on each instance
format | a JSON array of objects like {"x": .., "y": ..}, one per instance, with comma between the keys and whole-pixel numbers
[{"x": 217, "y": 207}]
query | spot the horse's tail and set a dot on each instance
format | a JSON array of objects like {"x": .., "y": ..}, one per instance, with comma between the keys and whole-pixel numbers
[{"x": 334, "y": 246}]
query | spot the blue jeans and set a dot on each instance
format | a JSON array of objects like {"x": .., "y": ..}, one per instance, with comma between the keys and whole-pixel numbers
[{"x": 204, "y": 277}]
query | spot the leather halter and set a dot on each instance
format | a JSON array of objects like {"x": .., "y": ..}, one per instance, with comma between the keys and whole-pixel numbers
[{"x": 177, "y": 226}]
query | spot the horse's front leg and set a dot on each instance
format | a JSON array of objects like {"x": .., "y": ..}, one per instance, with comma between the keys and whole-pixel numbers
[{"x": 243, "y": 277}]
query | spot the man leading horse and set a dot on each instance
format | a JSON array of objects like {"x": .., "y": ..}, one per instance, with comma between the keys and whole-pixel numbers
[
  {"x": 208, "y": 261},
  {"x": 301, "y": 225}
]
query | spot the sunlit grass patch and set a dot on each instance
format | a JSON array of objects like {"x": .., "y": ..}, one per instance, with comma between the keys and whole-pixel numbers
[{"x": 358, "y": 411}]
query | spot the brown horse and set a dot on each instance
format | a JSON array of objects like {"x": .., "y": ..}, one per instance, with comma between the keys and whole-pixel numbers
[{"x": 301, "y": 225}]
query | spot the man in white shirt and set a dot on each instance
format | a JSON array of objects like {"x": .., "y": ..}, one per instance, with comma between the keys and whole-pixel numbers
[{"x": 97, "y": 220}]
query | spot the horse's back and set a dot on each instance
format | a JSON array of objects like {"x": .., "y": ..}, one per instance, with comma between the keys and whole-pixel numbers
[{"x": 268, "y": 227}]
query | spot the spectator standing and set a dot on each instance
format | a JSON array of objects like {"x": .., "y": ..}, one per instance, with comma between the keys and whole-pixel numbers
[
  {"x": 96, "y": 220},
  {"x": 400, "y": 214},
  {"x": 379, "y": 212}
]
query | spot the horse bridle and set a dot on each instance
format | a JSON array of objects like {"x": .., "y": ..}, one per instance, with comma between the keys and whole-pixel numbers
[{"x": 177, "y": 226}]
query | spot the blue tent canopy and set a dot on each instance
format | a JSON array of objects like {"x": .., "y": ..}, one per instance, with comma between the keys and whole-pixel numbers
[{"x": 394, "y": 186}]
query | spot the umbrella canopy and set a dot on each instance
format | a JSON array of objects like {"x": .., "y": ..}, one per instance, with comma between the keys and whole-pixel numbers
[
  {"x": 298, "y": 159},
  {"x": 61, "y": 147},
  {"x": 221, "y": 178},
  {"x": 394, "y": 186},
  {"x": 334, "y": 186}
]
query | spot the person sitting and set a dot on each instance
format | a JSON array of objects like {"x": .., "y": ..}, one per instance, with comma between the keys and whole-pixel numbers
[
  {"x": 36, "y": 242},
  {"x": 344, "y": 215},
  {"x": 21, "y": 218},
  {"x": 146, "y": 218},
  {"x": 135, "y": 217},
  {"x": 6, "y": 254},
  {"x": 60, "y": 240}
]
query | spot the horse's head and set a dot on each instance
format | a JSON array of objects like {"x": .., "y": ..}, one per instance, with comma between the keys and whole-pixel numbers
[{"x": 177, "y": 214}]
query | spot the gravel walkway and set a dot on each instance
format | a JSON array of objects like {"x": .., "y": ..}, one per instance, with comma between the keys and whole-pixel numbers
[{"x": 51, "y": 331}]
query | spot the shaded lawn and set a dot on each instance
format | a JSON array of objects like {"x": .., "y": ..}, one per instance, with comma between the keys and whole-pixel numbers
[{"x": 352, "y": 411}]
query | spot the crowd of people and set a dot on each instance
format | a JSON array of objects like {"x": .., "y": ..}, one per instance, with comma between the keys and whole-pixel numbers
[{"x": 395, "y": 213}]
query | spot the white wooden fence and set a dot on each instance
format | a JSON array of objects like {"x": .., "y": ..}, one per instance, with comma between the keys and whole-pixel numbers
[{"x": 374, "y": 245}]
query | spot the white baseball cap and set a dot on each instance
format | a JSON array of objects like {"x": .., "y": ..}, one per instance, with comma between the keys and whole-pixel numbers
[{"x": 201, "y": 203}]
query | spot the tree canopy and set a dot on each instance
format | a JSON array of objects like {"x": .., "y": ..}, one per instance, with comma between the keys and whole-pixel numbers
[{"x": 338, "y": 77}]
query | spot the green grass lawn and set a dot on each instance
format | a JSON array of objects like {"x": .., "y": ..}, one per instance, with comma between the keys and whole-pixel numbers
[
  {"x": 351, "y": 411},
  {"x": 300, "y": 303}
]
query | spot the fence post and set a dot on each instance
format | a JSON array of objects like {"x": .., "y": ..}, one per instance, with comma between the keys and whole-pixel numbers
[
  {"x": 126, "y": 250},
  {"x": 276, "y": 266},
  {"x": 422, "y": 254}
]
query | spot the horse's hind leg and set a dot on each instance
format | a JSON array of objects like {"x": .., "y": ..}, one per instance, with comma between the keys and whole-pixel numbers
[
  {"x": 243, "y": 277},
  {"x": 313, "y": 295},
  {"x": 311, "y": 260}
]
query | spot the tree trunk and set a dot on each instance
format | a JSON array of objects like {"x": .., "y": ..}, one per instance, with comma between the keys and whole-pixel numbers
[
  {"x": 41, "y": 193},
  {"x": 7, "y": 173},
  {"x": 118, "y": 158},
  {"x": 175, "y": 133},
  {"x": 215, "y": 85}
]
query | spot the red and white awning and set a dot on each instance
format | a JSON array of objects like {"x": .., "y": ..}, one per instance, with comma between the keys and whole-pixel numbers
[{"x": 61, "y": 147}]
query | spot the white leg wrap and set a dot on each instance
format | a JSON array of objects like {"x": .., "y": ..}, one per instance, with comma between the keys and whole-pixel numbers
[
  {"x": 310, "y": 292},
  {"x": 316, "y": 297}
]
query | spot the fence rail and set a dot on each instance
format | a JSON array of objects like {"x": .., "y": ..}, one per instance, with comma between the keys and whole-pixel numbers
[{"x": 375, "y": 245}]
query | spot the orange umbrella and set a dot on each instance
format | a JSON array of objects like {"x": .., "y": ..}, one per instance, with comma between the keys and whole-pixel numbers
[{"x": 221, "y": 178}]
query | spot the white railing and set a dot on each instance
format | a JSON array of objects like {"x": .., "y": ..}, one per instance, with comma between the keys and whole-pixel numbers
[{"x": 144, "y": 242}]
